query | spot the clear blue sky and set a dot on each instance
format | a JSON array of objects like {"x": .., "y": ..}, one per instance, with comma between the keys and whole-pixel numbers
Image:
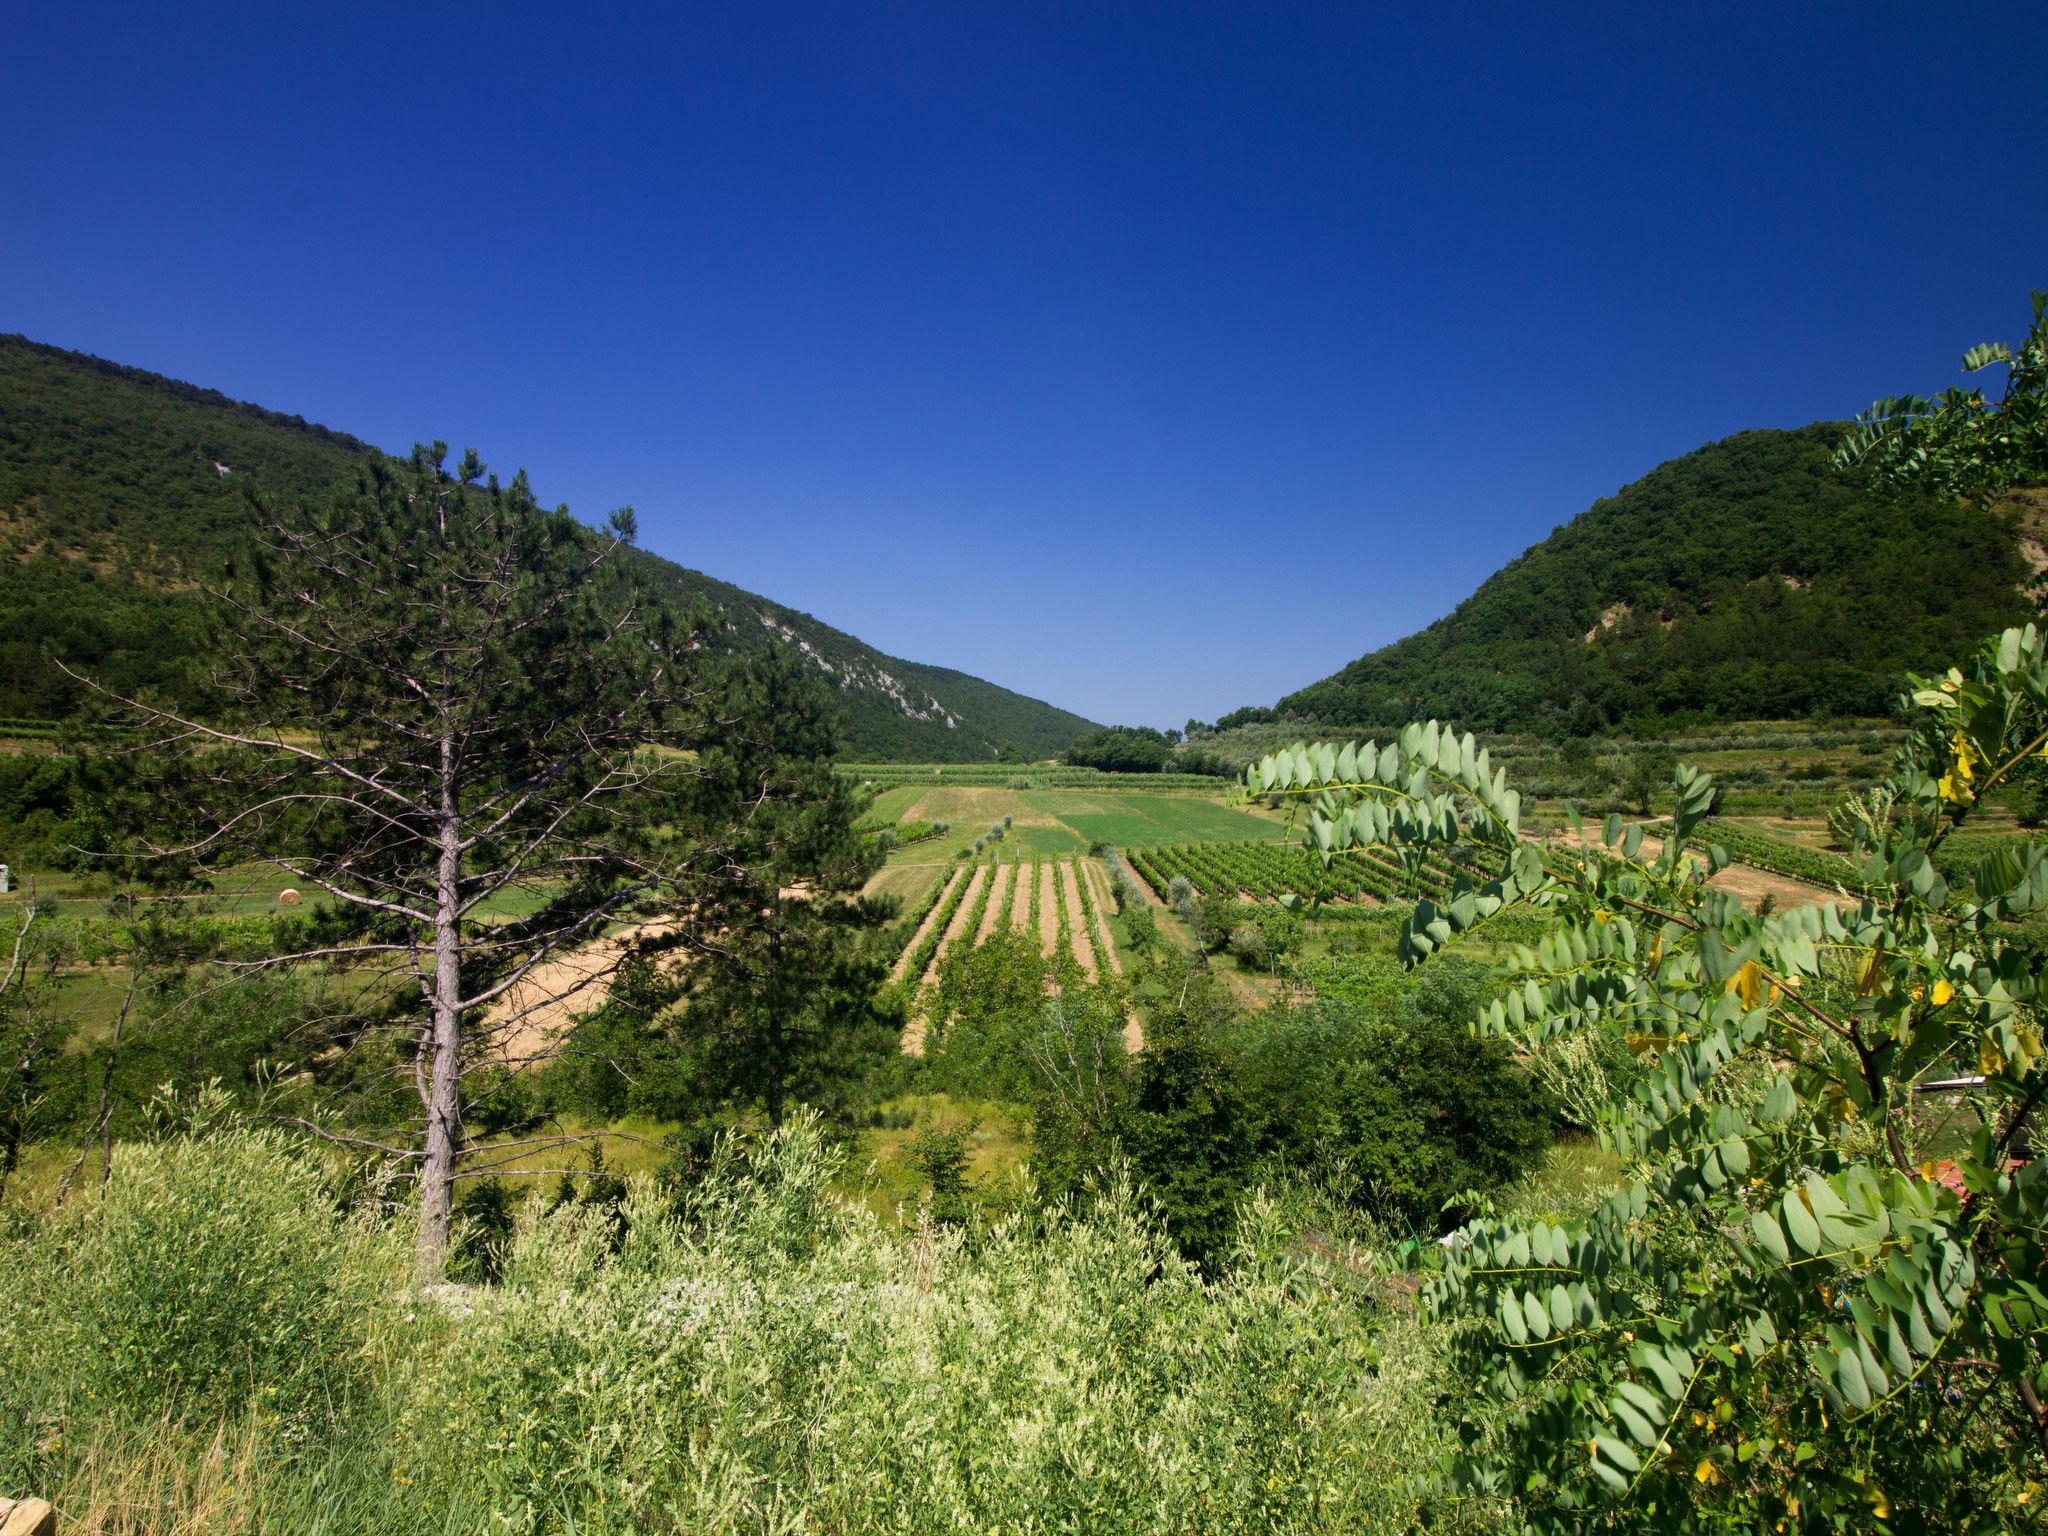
[{"x": 1148, "y": 359}]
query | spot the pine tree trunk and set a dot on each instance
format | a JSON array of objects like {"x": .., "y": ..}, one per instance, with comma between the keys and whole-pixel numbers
[
  {"x": 437, "y": 1174},
  {"x": 774, "y": 1033}
]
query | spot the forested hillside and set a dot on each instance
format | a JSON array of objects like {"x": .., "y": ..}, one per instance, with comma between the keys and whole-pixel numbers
[
  {"x": 1743, "y": 580},
  {"x": 121, "y": 492}
]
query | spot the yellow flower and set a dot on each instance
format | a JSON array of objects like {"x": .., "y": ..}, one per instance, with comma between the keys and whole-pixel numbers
[
  {"x": 1966, "y": 756},
  {"x": 1704, "y": 1472},
  {"x": 1748, "y": 984},
  {"x": 1943, "y": 991}
]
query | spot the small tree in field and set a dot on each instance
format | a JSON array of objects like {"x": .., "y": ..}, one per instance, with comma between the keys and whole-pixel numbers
[{"x": 442, "y": 705}]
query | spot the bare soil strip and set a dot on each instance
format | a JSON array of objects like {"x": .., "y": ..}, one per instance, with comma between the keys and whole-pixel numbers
[
  {"x": 917, "y": 938},
  {"x": 1746, "y": 881},
  {"x": 1097, "y": 876},
  {"x": 1048, "y": 910},
  {"x": 958, "y": 926},
  {"x": 1098, "y": 886},
  {"x": 995, "y": 903},
  {"x": 530, "y": 1016},
  {"x": 913, "y": 1027},
  {"x": 1020, "y": 907},
  {"x": 1083, "y": 940}
]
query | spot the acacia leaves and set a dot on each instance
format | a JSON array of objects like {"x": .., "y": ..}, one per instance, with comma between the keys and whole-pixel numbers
[{"x": 1732, "y": 1334}]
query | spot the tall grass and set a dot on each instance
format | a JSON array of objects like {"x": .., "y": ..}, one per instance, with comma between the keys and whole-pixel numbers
[{"x": 761, "y": 1358}]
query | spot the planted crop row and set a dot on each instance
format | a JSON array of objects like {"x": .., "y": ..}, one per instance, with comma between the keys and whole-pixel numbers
[
  {"x": 935, "y": 933},
  {"x": 1265, "y": 871},
  {"x": 902, "y": 834},
  {"x": 986, "y": 775},
  {"x": 1780, "y": 855}
]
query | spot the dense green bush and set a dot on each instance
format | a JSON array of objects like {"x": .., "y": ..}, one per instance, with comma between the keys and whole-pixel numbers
[
  {"x": 213, "y": 1273},
  {"x": 766, "y": 1357},
  {"x": 1382, "y": 1092}
]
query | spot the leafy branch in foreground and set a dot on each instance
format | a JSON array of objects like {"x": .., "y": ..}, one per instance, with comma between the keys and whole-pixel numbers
[
  {"x": 1798, "y": 1306},
  {"x": 1961, "y": 442}
]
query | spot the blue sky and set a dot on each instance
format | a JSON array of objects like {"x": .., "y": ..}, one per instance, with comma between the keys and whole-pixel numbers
[{"x": 1148, "y": 359}]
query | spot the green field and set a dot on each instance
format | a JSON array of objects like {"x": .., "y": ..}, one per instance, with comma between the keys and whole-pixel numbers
[{"x": 1063, "y": 821}]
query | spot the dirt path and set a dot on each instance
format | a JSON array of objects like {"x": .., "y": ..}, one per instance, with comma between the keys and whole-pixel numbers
[
  {"x": 1098, "y": 885},
  {"x": 958, "y": 926},
  {"x": 1743, "y": 880},
  {"x": 995, "y": 903},
  {"x": 1020, "y": 905},
  {"x": 1078, "y": 930},
  {"x": 917, "y": 938},
  {"x": 1048, "y": 910},
  {"x": 914, "y": 1026},
  {"x": 527, "y": 1019},
  {"x": 1097, "y": 877}
]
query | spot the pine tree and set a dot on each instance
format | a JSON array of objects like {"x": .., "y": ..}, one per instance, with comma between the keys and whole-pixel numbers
[{"x": 441, "y": 709}]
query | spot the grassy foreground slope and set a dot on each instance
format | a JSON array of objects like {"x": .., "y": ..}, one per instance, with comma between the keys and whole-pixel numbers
[
  {"x": 1743, "y": 580},
  {"x": 121, "y": 492}
]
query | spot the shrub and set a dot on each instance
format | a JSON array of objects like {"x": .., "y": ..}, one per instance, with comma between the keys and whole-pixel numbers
[
  {"x": 776, "y": 1359},
  {"x": 212, "y": 1273}
]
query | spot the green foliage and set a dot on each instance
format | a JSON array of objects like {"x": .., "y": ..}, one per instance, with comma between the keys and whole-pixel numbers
[
  {"x": 1962, "y": 443},
  {"x": 213, "y": 1273},
  {"x": 1192, "y": 1137},
  {"x": 1120, "y": 749},
  {"x": 939, "y": 1154},
  {"x": 782, "y": 1006},
  {"x": 1745, "y": 580},
  {"x": 1781, "y": 1314},
  {"x": 1064, "y": 1369},
  {"x": 1381, "y": 1093}
]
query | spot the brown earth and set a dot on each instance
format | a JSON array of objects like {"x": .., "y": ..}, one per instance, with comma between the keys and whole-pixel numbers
[
  {"x": 958, "y": 926},
  {"x": 1020, "y": 904},
  {"x": 1048, "y": 910},
  {"x": 903, "y": 960},
  {"x": 524, "y": 1022},
  {"x": 1083, "y": 940},
  {"x": 1000, "y": 884}
]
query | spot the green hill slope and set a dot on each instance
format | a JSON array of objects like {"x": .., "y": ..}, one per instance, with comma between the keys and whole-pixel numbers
[
  {"x": 1744, "y": 580},
  {"x": 120, "y": 492}
]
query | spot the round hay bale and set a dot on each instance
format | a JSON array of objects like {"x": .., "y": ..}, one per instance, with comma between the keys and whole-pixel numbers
[{"x": 287, "y": 897}]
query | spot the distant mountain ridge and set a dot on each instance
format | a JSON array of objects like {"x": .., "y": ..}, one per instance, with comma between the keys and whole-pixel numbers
[
  {"x": 119, "y": 494},
  {"x": 1746, "y": 579}
]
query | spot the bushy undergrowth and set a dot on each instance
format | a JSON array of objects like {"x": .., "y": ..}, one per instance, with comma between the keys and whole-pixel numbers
[{"x": 762, "y": 1357}]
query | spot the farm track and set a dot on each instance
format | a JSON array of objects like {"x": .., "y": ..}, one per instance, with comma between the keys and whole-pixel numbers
[
  {"x": 997, "y": 886},
  {"x": 1048, "y": 910},
  {"x": 1744, "y": 880},
  {"x": 903, "y": 960},
  {"x": 1020, "y": 906},
  {"x": 1098, "y": 887},
  {"x": 1083, "y": 940},
  {"x": 913, "y": 1027},
  {"x": 1097, "y": 877},
  {"x": 958, "y": 926}
]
